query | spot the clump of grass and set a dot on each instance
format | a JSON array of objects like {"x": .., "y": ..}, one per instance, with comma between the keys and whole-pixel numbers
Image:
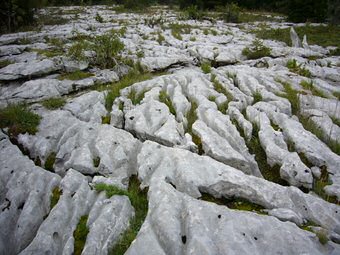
[
  {"x": 206, "y": 67},
  {"x": 76, "y": 51},
  {"x": 96, "y": 161},
  {"x": 80, "y": 235},
  {"x": 294, "y": 67},
  {"x": 50, "y": 160},
  {"x": 257, "y": 97},
  {"x": 56, "y": 193},
  {"x": 106, "y": 119},
  {"x": 160, "y": 38},
  {"x": 191, "y": 118},
  {"x": 132, "y": 77},
  {"x": 320, "y": 183},
  {"x": 322, "y": 236},
  {"x": 256, "y": 50},
  {"x": 176, "y": 34},
  {"x": 212, "y": 98},
  {"x": 293, "y": 97},
  {"x": 54, "y": 103},
  {"x": 4, "y": 63},
  {"x": 136, "y": 98},
  {"x": 140, "y": 54},
  {"x": 178, "y": 29},
  {"x": 99, "y": 18},
  {"x": 337, "y": 95},
  {"x": 50, "y": 53},
  {"x": 77, "y": 75},
  {"x": 19, "y": 120},
  {"x": 164, "y": 98},
  {"x": 193, "y": 39},
  {"x": 310, "y": 86},
  {"x": 220, "y": 89},
  {"x": 138, "y": 199},
  {"x": 234, "y": 203}
]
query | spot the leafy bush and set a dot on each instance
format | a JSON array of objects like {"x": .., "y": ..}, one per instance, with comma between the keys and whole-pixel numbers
[
  {"x": 192, "y": 12},
  {"x": 231, "y": 13},
  {"x": 107, "y": 48},
  {"x": 256, "y": 50},
  {"x": 19, "y": 120}
]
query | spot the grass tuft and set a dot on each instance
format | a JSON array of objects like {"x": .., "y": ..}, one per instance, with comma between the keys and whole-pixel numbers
[
  {"x": 311, "y": 87},
  {"x": 19, "y": 120},
  {"x": 80, "y": 235},
  {"x": 49, "y": 163},
  {"x": 4, "y": 63},
  {"x": 56, "y": 193},
  {"x": 206, "y": 67},
  {"x": 54, "y": 103},
  {"x": 164, "y": 98},
  {"x": 77, "y": 75},
  {"x": 297, "y": 68},
  {"x": 256, "y": 50}
]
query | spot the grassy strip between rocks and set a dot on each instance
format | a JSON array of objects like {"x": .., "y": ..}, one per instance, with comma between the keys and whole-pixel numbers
[
  {"x": 56, "y": 193},
  {"x": 80, "y": 235},
  {"x": 221, "y": 89},
  {"x": 234, "y": 203},
  {"x": 77, "y": 75},
  {"x": 320, "y": 35},
  {"x": 165, "y": 98},
  {"x": 19, "y": 119},
  {"x": 132, "y": 77},
  {"x": 54, "y": 103},
  {"x": 191, "y": 118},
  {"x": 138, "y": 199}
]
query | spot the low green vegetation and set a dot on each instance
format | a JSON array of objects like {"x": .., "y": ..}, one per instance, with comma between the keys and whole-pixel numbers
[
  {"x": 231, "y": 13},
  {"x": 292, "y": 95},
  {"x": 165, "y": 98},
  {"x": 54, "y": 103},
  {"x": 320, "y": 35},
  {"x": 56, "y": 193},
  {"x": 221, "y": 89},
  {"x": 99, "y": 18},
  {"x": 235, "y": 203},
  {"x": 257, "y": 97},
  {"x": 132, "y": 77},
  {"x": 77, "y": 75},
  {"x": 206, "y": 67},
  {"x": 178, "y": 29},
  {"x": 191, "y": 118},
  {"x": 19, "y": 119},
  {"x": 138, "y": 199},
  {"x": 160, "y": 38},
  {"x": 256, "y": 50},
  {"x": 192, "y": 12},
  {"x": 297, "y": 68},
  {"x": 135, "y": 97},
  {"x": 4, "y": 63},
  {"x": 106, "y": 119},
  {"x": 96, "y": 161},
  {"x": 80, "y": 235},
  {"x": 311, "y": 87},
  {"x": 50, "y": 160},
  {"x": 50, "y": 53},
  {"x": 254, "y": 145}
]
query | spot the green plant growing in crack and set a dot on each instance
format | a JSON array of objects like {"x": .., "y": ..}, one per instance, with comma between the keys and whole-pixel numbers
[
  {"x": 96, "y": 161},
  {"x": 257, "y": 96},
  {"x": 54, "y": 103},
  {"x": 191, "y": 118},
  {"x": 165, "y": 98},
  {"x": 206, "y": 67},
  {"x": 80, "y": 235},
  {"x": 256, "y": 50},
  {"x": 50, "y": 160},
  {"x": 160, "y": 38},
  {"x": 19, "y": 119},
  {"x": 135, "y": 97},
  {"x": 56, "y": 193},
  {"x": 4, "y": 63},
  {"x": 106, "y": 119},
  {"x": 138, "y": 199},
  {"x": 297, "y": 68},
  {"x": 74, "y": 76},
  {"x": 221, "y": 89},
  {"x": 312, "y": 88}
]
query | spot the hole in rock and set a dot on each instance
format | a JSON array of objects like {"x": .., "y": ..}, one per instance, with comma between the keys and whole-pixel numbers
[
  {"x": 184, "y": 239},
  {"x": 219, "y": 216},
  {"x": 255, "y": 237},
  {"x": 21, "y": 206}
]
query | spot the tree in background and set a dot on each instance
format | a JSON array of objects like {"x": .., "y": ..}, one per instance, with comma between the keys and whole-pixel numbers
[
  {"x": 334, "y": 11},
  {"x": 307, "y": 10}
]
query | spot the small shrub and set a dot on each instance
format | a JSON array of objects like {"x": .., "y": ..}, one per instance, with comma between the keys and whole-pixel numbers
[
  {"x": 107, "y": 48},
  {"x": 19, "y": 120},
  {"x": 231, "y": 13},
  {"x": 99, "y": 18},
  {"x": 192, "y": 12},
  {"x": 76, "y": 51},
  {"x": 256, "y": 50},
  {"x": 54, "y": 103},
  {"x": 80, "y": 235},
  {"x": 206, "y": 67}
]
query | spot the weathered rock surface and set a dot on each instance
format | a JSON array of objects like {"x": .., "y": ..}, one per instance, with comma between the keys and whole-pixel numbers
[{"x": 25, "y": 192}]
